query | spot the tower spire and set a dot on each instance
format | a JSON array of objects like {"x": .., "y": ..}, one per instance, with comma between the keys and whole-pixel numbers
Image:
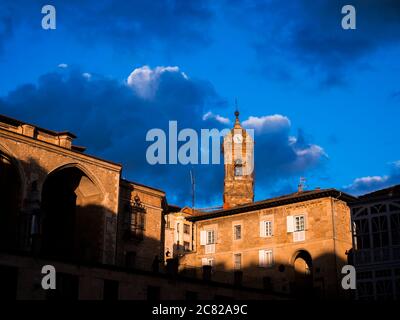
[
  {"x": 237, "y": 122},
  {"x": 238, "y": 148}
]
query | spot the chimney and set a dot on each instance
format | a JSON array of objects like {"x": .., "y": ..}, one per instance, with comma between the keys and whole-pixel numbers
[
  {"x": 65, "y": 139},
  {"x": 28, "y": 130}
]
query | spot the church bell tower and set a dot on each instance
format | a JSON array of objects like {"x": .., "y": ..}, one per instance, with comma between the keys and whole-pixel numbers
[{"x": 238, "y": 149}]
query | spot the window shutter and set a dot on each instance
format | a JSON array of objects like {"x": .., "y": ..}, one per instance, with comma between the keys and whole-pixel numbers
[
  {"x": 210, "y": 248},
  {"x": 203, "y": 238},
  {"x": 262, "y": 229},
  {"x": 289, "y": 223},
  {"x": 299, "y": 236},
  {"x": 204, "y": 261},
  {"x": 261, "y": 258}
]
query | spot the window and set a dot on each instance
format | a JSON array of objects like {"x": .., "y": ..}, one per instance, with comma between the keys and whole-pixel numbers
[
  {"x": 362, "y": 235},
  {"x": 237, "y": 261},
  {"x": 266, "y": 229},
  {"x": 380, "y": 235},
  {"x": 186, "y": 228},
  {"x": 207, "y": 262},
  {"x": 207, "y": 239},
  {"x": 210, "y": 248},
  {"x": 134, "y": 219},
  {"x": 167, "y": 222},
  {"x": 210, "y": 237},
  {"x": 265, "y": 258},
  {"x": 186, "y": 245},
  {"x": 299, "y": 224},
  {"x": 237, "y": 232},
  {"x": 395, "y": 226},
  {"x": 238, "y": 168}
]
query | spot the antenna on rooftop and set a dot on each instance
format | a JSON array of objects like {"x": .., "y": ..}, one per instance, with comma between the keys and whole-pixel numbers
[
  {"x": 301, "y": 185},
  {"x": 193, "y": 182}
]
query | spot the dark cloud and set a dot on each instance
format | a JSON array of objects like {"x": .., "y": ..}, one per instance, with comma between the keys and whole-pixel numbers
[
  {"x": 129, "y": 25},
  {"x": 395, "y": 95},
  {"x": 112, "y": 118},
  {"x": 6, "y": 30},
  {"x": 372, "y": 183},
  {"x": 295, "y": 36}
]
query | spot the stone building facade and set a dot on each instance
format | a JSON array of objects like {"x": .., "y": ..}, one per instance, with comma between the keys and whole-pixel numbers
[
  {"x": 104, "y": 235},
  {"x": 45, "y": 175},
  {"x": 61, "y": 203},
  {"x": 141, "y": 225},
  {"x": 294, "y": 244},
  {"x": 178, "y": 233}
]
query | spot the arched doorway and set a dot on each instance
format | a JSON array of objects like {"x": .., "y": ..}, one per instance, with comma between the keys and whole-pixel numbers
[
  {"x": 10, "y": 203},
  {"x": 303, "y": 277},
  {"x": 73, "y": 218}
]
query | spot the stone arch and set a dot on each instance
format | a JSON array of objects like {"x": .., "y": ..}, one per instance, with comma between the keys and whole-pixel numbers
[
  {"x": 11, "y": 197},
  {"x": 85, "y": 170},
  {"x": 18, "y": 165},
  {"x": 72, "y": 215},
  {"x": 302, "y": 264}
]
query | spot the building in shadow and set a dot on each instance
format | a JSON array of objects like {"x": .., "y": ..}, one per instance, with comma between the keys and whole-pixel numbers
[
  {"x": 376, "y": 244},
  {"x": 104, "y": 235}
]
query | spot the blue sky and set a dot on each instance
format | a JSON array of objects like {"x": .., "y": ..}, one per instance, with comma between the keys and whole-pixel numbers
[{"x": 325, "y": 102}]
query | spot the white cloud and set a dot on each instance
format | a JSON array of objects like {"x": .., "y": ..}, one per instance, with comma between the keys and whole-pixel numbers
[
  {"x": 312, "y": 150},
  {"x": 145, "y": 80},
  {"x": 267, "y": 123},
  {"x": 367, "y": 184},
  {"x": 86, "y": 75},
  {"x": 370, "y": 180},
  {"x": 397, "y": 164},
  {"x": 292, "y": 140},
  {"x": 217, "y": 117},
  {"x": 63, "y": 65}
]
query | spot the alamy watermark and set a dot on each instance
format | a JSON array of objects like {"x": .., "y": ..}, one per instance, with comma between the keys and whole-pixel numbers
[
  {"x": 187, "y": 146},
  {"x": 49, "y": 20},
  {"x": 49, "y": 278},
  {"x": 349, "y": 280}
]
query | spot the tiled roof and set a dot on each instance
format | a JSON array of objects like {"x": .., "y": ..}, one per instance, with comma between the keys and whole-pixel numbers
[{"x": 277, "y": 201}]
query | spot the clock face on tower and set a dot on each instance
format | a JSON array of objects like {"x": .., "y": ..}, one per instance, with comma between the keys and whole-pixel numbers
[{"x": 238, "y": 138}]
